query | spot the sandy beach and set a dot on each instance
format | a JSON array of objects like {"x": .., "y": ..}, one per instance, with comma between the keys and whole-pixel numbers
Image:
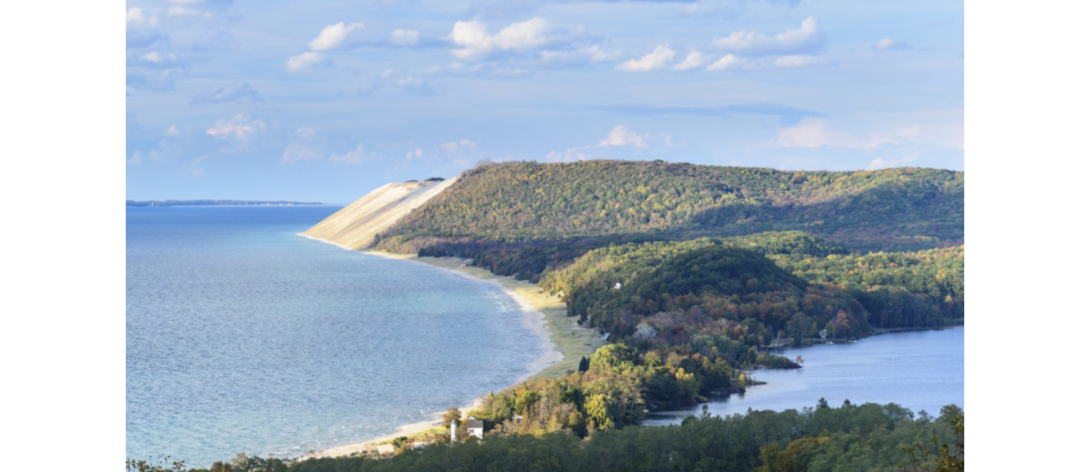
[{"x": 563, "y": 342}]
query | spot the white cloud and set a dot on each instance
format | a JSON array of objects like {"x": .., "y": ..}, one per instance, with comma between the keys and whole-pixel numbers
[
  {"x": 887, "y": 162},
  {"x": 401, "y": 37},
  {"x": 157, "y": 60},
  {"x": 938, "y": 129},
  {"x": 333, "y": 36},
  {"x": 305, "y": 62},
  {"x": 693, "y": 60},
  {"x": 413, "y": 84},
  {"x": 526, "y": 35},
  {"x": 619, "y": 136},
  {"x": 410, "y": 82},
  {"x": 240, "y": 127},
  {"x": 304, "y": 146},
  {"x": 356, "y": 156},
  {"x": 183, "y": 11},
  {"x": 725, "y": 62},
  {"x": 808, "y": 38},
  {"x": 622, "y": 136},
  {"x": 815, "y": 133},
  {"x": 890, "y": 44},
  {"x": 136, "y": 159},
  {"x": 656, "y": 60},
  {"x": 572, "y": 154},
  {"x": 155, "y": 57},
  {"x": 187, "y": 11},
  {"x": 141, "y": 29},
  {"x": 810, "y": 133},
  {"x": 800, "y": 61},
  {"x": 166, "y": 150},
  {"x": 476, "y": 43},
  {"x": 455, "y": 145},
  {"x": 137, "y": 18},
  {"x": 298, "y": 152}
]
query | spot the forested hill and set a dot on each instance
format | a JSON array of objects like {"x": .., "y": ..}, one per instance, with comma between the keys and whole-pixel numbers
[{"x": 891, "y": 209}]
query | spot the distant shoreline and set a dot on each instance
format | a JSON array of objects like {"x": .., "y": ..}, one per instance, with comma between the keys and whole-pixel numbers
[
  {"x": 563, "y": 341},
  {"x": 174, "y": 203}
]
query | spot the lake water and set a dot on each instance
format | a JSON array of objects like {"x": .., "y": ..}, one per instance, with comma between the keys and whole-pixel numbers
[
  {"x": 243, "y": 337},
  {"x": 920, "y": 370}
]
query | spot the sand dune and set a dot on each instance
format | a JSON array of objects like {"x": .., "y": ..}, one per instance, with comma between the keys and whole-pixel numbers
[{"x": 355, "y": 226}]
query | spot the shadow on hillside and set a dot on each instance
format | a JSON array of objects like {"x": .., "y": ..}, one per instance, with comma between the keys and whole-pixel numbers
[{"x": 880, "y": 218}]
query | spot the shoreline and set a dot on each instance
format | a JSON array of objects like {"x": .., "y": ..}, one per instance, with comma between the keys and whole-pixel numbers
[
  {"x": 563, "y": 342},
  {"x": 532, "y": 316}
]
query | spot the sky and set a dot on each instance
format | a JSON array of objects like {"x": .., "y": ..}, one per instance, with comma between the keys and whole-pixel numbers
[{"x": 325, "y": 100}]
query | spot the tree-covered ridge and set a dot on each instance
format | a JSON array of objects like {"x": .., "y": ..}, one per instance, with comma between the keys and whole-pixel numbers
[
  {"x": 935, "y": 272},
  {"x": 908, "y": 289},
  {"x": 620, "y": 262},
  {"x": 701, "y": 294},
  {"x": 697, "y": 292},
  {"x": 525, "y": 201}
]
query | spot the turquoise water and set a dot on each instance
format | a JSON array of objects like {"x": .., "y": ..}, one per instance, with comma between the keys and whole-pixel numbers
[
  {"x": 243, "y": 337},
  {"x": 920, "y": 370}
]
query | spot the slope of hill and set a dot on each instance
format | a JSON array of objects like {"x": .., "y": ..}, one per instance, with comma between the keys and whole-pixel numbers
[
  {"x": 355, "y": 226},
  {"x": 789, "y": 282},
  {"x": 890, "y": 209}
]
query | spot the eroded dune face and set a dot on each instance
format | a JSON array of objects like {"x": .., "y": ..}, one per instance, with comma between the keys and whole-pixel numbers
[{"x": 355, "y": 226}]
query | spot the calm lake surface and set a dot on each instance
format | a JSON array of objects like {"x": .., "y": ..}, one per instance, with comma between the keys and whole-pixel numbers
[
  {"x": 243, "y": 336},
  {"x": 920, "y": 370}
]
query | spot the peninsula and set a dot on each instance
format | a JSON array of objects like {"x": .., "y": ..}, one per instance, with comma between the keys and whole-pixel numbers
[{"x": 693, "y": 274}]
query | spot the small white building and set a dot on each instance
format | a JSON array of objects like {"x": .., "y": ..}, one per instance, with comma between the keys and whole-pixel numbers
[{"x": 475, "y": 427}]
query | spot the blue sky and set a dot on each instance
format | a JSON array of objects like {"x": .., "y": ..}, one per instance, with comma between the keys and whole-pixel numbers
[{"x": 325, "y": 100}]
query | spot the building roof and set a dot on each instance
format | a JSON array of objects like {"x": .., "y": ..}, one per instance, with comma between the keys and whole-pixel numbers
[{"x": 475, "y": 424}]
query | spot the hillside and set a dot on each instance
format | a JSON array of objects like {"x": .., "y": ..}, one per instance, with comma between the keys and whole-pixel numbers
[
  {"x": 524, "y": 202},
  {"x": 356, "y": 225},
  {"x": 693, "y": 273},
  {"x": 790, "y": 282}
]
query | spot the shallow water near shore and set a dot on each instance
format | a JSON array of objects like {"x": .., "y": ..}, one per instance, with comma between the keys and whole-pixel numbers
[
  {"x": 242, "y": 336},
  {"x": 920, "y": 370}
]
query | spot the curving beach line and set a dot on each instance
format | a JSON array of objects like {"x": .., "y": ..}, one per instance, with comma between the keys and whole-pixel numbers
[
  {"x": 578, "y": 341},
  {"x": 532, "y": 318}
]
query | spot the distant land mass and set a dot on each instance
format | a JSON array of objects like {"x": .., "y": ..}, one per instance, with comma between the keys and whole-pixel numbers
[{"x": 168, "y": 203}]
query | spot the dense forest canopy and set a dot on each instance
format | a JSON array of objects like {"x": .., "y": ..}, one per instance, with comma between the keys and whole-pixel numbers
[
  {"x": 799, "y": 286},
  {"x": 821, "y": 438},
  {"x": 688, "y": 318},
  {"x": 697, "y": 273},
  {"x": 890, "y": 209}
]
